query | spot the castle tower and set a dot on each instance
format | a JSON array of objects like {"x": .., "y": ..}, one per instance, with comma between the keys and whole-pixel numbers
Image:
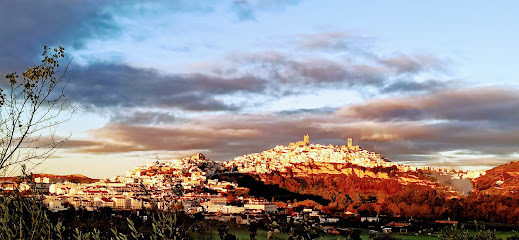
[
  {"x": 350, "y": 142},
  {"x": 306, "y": 139}
]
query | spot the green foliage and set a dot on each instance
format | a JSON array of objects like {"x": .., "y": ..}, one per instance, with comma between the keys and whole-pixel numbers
[
  {"x": 168, "y": 225},
  {"x": 302, "y": 229},
  {"x": 453, "y": 233},
  {"x": 382, "y": 236},
  {"x": 94, "y": 235},
  {"x": 26, "y": 218}
]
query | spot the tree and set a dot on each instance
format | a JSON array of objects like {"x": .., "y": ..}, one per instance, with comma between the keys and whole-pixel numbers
[
  {"x": 455, "y": 233},
  {"x": 31, "y": 105}
]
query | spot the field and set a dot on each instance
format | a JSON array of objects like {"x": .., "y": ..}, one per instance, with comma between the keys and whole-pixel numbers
[{"x": 242, "y": 233}]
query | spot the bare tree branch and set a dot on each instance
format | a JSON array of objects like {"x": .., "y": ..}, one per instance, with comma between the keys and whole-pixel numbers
[{"x": 34, "y": 102}]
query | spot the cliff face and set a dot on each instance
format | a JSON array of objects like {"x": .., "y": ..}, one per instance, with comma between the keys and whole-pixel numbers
[{"x": 347, "y": 170}]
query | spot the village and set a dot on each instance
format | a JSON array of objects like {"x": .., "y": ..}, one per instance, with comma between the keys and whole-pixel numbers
[
  {"x": 281, "y": 158},
  {"x": 188, "y": 183}
]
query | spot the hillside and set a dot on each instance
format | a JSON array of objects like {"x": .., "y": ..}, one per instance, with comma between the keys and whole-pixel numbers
[
  {"x": 357, "y": 180},
  {"x": 503, "y": 180},
  {"x": 75, "y": 178},
  {"x": 351, "y": 179},
  {"x": 367, "y": 172}
]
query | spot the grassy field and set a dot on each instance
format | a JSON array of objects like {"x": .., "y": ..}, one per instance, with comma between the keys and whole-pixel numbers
[{"x": 242, "y": 233}]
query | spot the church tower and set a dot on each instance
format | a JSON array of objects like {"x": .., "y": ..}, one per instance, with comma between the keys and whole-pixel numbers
[
  {"x": 306, "y": 139},
  {"x": 350, "y": 142}
]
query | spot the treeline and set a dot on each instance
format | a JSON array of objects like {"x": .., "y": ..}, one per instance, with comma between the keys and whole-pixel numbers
[{"x": 372, "y": 196}]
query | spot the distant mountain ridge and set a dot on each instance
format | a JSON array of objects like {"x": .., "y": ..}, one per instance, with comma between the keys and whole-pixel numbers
[{"x": 49, "y": 178}]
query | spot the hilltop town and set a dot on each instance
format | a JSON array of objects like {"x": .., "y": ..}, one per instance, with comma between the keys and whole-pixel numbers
[
  {"x": 282, "y": 158},
  {"x": 189, "y": 180}
]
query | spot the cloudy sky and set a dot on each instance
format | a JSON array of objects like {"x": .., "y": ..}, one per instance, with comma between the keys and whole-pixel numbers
[{"x": 421, "y": 83}]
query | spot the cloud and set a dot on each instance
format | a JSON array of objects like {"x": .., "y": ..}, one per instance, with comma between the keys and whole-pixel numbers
[
  {"x": 327, "y": 40},
  {"x": 124, "y": 137},
  {"x": 494, "y": 105},
  {"x": 413, "y": 63},
  {"x": 119, "y": 85},
  {"x": 413, "y": 138},
  {"x": 335, "y": 41},
  {"x": 246, "y": 10},
  {"x": 307, "y": 111},
  {"x": 309, "y": 65},
  {"x": 272, "y": 74},
  {"x": 285, "y": 69},
  {"x": 419, "y": 128},
  {"x": 27, "y": 25},
  {"x": 413, "y": 86},
  {"x": 143, "y": 117},
  {"x": 475, "y": 161}
]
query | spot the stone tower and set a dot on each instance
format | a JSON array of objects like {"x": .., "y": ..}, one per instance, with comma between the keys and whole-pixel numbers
[
  {"x": 350, "y": 142},
  {"x": 306, "y": 139}
]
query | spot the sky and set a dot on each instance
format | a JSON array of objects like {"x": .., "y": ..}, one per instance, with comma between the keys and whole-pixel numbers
[{"x": 422, "y": 83}]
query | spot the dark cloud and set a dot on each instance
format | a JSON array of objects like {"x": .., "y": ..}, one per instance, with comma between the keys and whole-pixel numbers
[
  {"x": 270, "y": 73},
  {"x": 495, "y": 105},
  {"x": 479, "y": 119},
  {"x": 27, "y": 25},
  {"x": 117, "y": 85}
]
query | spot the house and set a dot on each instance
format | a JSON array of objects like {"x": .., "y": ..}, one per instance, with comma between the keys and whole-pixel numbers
[
  {"x": 136, "y": 203},
  {"x": 370, "y": 219},
  {"x": 328, "y": 220},
  {"x": 266, "y": 207},
  {"x": 121, "y": 202}
]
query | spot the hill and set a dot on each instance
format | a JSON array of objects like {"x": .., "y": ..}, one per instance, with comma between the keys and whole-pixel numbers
[
  {"x": 357, "y": 180},
  {"x": 502, "y": 180},
  {"x": 351, "y": 179},
  {"x": 75, "y": 178}
]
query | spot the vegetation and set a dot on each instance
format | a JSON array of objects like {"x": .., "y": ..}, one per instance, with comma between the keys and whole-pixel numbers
[
  {"x": 26, "y": 217},
  {"x": 382, "y": 236},
  {"x": 455, "y": 233},
  {"x": 373, "y": 196},
  {"x": 33, "y": 102}
]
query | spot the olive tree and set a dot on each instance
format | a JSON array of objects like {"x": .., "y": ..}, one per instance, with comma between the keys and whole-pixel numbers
[{"x": 31, "y": 107}]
